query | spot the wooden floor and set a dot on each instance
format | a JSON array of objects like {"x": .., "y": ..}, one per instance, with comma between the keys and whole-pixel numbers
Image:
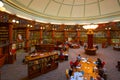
[{"x": 18, "y": 71}]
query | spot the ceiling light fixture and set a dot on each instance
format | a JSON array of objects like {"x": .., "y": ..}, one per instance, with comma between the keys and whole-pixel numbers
[
  {"x": 90, "y": 26},
  {"x": 1, "y": 3}
]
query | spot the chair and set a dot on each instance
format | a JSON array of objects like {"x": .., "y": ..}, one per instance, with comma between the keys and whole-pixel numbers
[
  {"x": 103, "y": 63},
  {"x": 66, "y": 57},
  {"x": 67, "y": 73},
  {"x": 118, "y": 65},
  {"x": 51, "y": 49},
  {"x": 61, "y": 58},
  {"x": 118, "y": 62},
  {"x": 71, "y": 64}
]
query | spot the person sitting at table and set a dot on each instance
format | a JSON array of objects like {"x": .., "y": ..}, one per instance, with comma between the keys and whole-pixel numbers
[
  {"x": 72, "y": 78},
  {"x": 100, "y": 72},
  {"x": 99, "y": 78},
  {"x": 99, "y": 63},
  {"x": 61, "y": 56},
  {"x": 118, "y": 65},
  {"x": 103, "y": 64},
  {"x": 78, "y": 57},
  {"x": 78, "y": 74},
  {"x": 76, "y": 63},
  {"x": 71, "y": 64},
  {"x": 103, "y": 73},
  {"x": 96, "y": 47},
  {"x": 70, "y": 72}
]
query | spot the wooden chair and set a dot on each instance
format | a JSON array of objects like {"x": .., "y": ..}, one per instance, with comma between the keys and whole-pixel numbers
[{"x": 67, "y": 73}]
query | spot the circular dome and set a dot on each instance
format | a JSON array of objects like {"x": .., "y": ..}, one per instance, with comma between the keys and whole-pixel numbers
[{"x": 66, "y": 11}]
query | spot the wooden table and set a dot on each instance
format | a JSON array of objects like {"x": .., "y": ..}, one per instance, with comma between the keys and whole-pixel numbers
[{"x": 89, "y": 68}]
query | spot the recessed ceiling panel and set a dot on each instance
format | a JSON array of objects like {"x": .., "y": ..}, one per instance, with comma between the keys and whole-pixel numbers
[
  {"x": 78, "y": 11},
  {"x": 108, "y": 6},
  {"x": 68, "y": 2},
  {"x": 24, "y": 2},
  {"x": 52, "y": 9},
  {"x": 58, "y": 1},
  {"x": 38, "y": 5},
  {"x": 65, "y": 11},
  {"x": 91, "y": 10},
  {"x": 90, "y": 1},
  {"x": 79, "y": 2}
]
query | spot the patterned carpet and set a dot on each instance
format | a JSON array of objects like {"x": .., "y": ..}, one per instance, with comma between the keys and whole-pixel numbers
[{"x": 18, "y": 71}]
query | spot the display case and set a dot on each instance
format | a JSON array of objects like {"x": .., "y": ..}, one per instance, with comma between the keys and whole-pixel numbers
[{"x": 41, "y": 63}]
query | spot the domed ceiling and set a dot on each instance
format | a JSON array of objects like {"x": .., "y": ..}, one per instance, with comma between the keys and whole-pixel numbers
[{"x": 66, "y": 11}]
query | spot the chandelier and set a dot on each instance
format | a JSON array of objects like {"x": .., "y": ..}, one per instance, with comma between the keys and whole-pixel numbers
[
  {"x": 1, "y": 4},
  {"x": 90, "y": 26}
]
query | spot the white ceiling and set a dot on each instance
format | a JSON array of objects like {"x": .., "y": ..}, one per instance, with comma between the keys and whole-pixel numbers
[{"x": 66, "y": 11}]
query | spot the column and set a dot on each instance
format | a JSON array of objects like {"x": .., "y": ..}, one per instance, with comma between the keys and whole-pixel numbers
[
  {"x": 11, "y": 57},
  {"x": 41, "y": 33},
  {"x": 53, "y": 36},
  {"x": 108, "y": 36},
  {"x": 65, "y": 35},
  {"x": 90, "y": 39},
  {"x": 10, "y": 33},
  {"x": 27, "y": 46},
  {"x": 90, "y": 49},
  {"x": 78, "y": 35}
]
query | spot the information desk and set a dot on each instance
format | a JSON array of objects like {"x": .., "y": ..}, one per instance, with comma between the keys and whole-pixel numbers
[{"x": 41, "y": 63}]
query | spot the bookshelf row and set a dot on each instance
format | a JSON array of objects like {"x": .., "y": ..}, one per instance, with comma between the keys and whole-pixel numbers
[{"x": 41, "y": 63}]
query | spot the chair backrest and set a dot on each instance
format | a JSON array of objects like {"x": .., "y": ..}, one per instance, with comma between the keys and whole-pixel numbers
[
  {"x": 103, "y": 63},
  {"x": 118, "y": 62},
  {"x": 118, "y": 65}
]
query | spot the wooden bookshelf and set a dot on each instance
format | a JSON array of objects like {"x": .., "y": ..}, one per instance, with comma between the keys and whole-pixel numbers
[
  {"x": 44, "y": 47},
  {"x": 6, "y": 42},
  {"x": 41, "y": 63},
  {"x": 4, "y": 34},
  {"x": 34, "y": 37}
]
